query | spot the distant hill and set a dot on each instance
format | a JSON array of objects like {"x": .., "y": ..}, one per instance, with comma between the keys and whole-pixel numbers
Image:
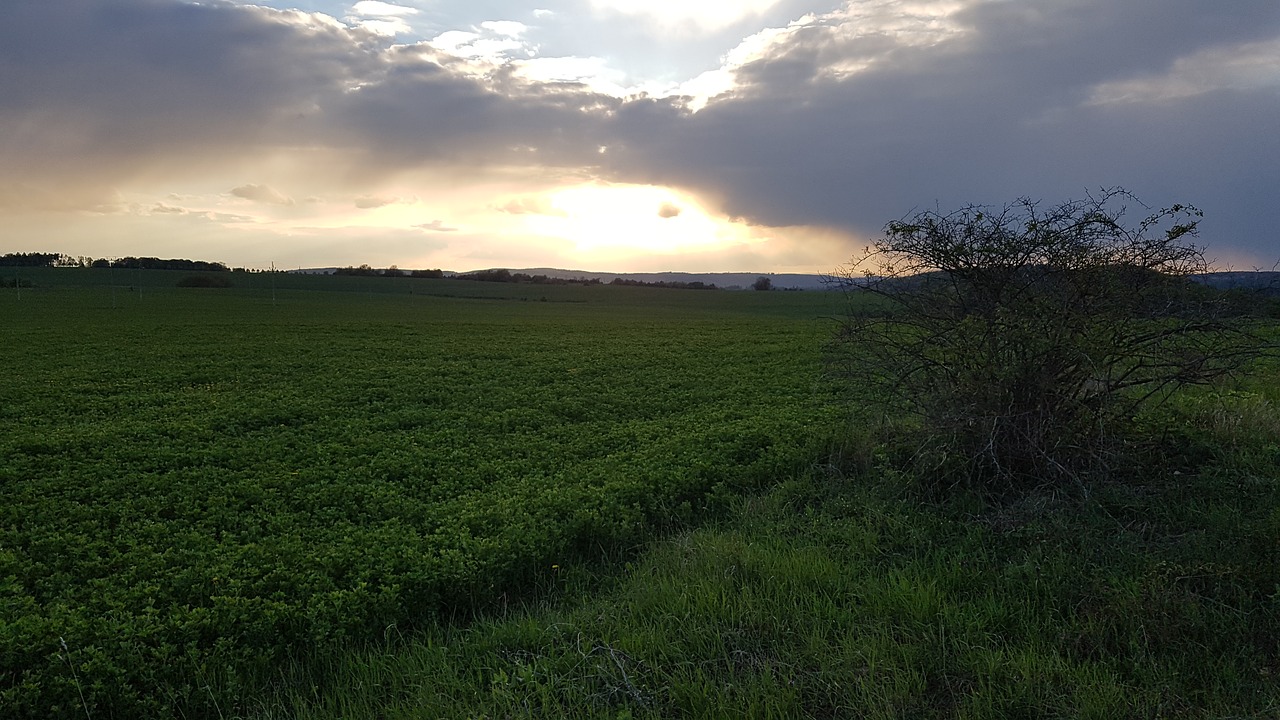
[
  {"x": 781, "y": 281},
  {"x": 1269, "y": 281},
  {"x": 799, "y": 281}
]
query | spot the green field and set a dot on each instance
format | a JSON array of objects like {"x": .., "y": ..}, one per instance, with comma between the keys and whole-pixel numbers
[
  {"x": 203, "y": 478},
  {"x": 395, "y": 497}
]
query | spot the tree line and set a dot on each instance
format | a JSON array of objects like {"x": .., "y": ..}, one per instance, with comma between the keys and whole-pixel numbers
[
  {"x": 393, "y": 271},
  {"x": 506, "y": 276},
  {"x": 502, "y": 275},
  {"x": 37, "y": 259}
]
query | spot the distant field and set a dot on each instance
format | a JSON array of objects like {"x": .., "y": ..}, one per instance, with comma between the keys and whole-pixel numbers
[{"x": 205, "y": 482}]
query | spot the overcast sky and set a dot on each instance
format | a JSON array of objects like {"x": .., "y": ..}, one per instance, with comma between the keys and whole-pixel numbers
[{"x": 617, "y": 135}]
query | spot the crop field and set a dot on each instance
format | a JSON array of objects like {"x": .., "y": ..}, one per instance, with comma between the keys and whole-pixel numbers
[
  {"x": 360, "y": 497},
  {"x": 201, "y": 483}
]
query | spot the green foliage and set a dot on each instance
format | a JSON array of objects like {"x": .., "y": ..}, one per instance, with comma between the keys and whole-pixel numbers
[
  {"x": 201, "y": 486},
  {"x": 835, "y": 596}
]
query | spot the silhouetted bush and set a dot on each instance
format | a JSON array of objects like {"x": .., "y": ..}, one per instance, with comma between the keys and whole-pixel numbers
[{"x": 1025, "y": 339}]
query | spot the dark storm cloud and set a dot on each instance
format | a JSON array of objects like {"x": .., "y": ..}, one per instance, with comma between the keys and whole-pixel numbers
[
  {"x": 93, "y": 92},
  {"x": 104, "y": 87},
  {"x": 1001, "y": 108},
  {"x": 422, "y": 107}
]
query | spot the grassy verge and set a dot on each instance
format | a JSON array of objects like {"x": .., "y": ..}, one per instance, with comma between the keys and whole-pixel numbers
[{"x": 840, "y": 593}]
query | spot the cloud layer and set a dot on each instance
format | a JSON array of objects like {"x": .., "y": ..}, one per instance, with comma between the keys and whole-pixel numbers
[{"x": 837, "y": 121}]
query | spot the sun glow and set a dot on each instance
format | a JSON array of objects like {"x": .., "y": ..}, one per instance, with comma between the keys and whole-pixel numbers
[{"x": 601, "y": 219}]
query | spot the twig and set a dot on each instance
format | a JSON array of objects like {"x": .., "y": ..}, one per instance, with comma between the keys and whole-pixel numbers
[{"x": 74, "y": 676}]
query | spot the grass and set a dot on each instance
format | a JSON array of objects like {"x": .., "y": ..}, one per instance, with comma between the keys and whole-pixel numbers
[
  {"x": 201, "y": 482},
  {"x": 841, "y": 593},
  {"x": 734, "y": 556}
]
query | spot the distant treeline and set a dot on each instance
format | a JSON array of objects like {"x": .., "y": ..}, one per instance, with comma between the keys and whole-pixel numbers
[
  {"x": 502, "y": 275},
  {"x": 675, "y": 284},
  {"x": 40, "y": 260},
  {"x": 128, "y": 263},
  {"x": 506, "y": 276},
  {"x": 150, "y": 263},
  {"x": 393, "y": 271}
]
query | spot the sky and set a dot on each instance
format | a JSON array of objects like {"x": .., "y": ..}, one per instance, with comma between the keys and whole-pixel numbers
[{"x": 617, "y": 135}]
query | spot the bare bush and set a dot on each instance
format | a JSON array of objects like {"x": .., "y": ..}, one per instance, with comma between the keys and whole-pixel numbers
[{"x": 1024, "y": 337}]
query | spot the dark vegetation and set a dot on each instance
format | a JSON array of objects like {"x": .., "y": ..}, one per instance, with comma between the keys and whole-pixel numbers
[
  {"x": 273, "y": 501},
  {"x": 669, "y": 284},
  {"x": 38, "y": 259},
  {"x": 393, "y": 271},
  {"x": 200, "y": 487},
  {"x": 1026, "y": 339},
  {"x": 835, "y": 594},
  {"x": 205, "y": 281},
  {"x": 151, "y": 263},
  {"x": 506, "y": 276}
]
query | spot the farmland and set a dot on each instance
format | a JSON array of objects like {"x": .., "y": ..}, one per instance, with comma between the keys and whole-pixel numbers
[
  {"x": 389, "y": 497},
  {"x": 200, "y": 479}
]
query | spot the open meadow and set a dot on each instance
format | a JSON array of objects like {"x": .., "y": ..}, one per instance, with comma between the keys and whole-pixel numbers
[
  {"x": 201, "y": 479},
  {"x": 393, "y": 497}
]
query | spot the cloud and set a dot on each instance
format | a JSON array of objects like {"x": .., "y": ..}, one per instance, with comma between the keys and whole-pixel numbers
[
  {"x": 374, "y": 8},
  {"x": 492, "y": 42},
  {"x": 22, "y": 195},
  {"x": 93, "y": 95},
  {"x": 530, "y": 206},
  {"x": 668, "y": 210},
  {"x": 592, "y": 73},
  {"x": 262, "y": 194},
  {"x": 838, "y": 120},
  {"x": 505, "y": 28},
  {"x": 436, "y": 226},
  {"x": 369, "y": 202},
  {"x": 682, "y": 14},
  {"x": 389, "y": 27},
  {"x": 221, "y": 217},
  {"x": 853, "y": 118},
  {"x": 382, "y": 18},
  {"x": 1245, "y": 68}
]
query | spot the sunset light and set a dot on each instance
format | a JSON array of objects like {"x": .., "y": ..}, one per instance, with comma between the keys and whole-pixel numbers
[
  {"x": 755, "y": 136},
  {"x": 603, "y": 219}
]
